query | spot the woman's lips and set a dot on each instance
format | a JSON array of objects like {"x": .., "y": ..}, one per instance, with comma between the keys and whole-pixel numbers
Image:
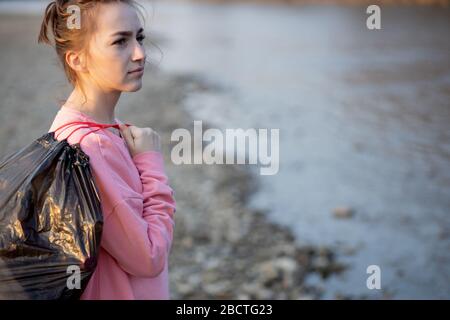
[{"x": 137, "y": 71}]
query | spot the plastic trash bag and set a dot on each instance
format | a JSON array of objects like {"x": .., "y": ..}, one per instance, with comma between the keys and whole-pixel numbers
[{"x": 50, "y": 220}]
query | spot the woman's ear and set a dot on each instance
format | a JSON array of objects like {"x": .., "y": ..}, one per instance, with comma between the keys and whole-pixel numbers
[{"x": 76, "y": 61}]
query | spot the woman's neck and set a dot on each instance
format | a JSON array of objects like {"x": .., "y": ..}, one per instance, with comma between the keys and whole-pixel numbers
[{"x": 98, "y": 105}]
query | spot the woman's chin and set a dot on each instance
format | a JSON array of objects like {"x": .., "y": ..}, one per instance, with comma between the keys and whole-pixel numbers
[{"x": 133, "y": 86}]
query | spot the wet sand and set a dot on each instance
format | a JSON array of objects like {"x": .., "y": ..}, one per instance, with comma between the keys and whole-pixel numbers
[{"x": 222, "y": 249}]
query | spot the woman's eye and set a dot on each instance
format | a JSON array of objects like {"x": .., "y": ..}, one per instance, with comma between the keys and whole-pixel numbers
[
  {"x": 140, "y": 38},
  {"x": 120, "y": 41}
]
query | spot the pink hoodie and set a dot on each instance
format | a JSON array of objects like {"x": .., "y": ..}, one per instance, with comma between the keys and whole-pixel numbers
[{"x": 138, "y": 212}]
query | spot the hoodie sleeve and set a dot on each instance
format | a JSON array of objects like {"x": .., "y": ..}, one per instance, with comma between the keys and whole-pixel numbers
[
  {"x": 137, "y": 229},
  {"x": 141, "y": 245}
]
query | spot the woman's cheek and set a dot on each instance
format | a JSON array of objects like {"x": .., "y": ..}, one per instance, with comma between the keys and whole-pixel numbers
[{"x": 116, "y": 71}]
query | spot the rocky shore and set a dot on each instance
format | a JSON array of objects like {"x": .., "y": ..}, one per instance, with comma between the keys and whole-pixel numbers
[{"x": 222, "y": 248}]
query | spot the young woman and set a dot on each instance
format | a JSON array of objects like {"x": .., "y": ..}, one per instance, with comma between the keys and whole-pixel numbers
[{"x": 103, "y": 58}]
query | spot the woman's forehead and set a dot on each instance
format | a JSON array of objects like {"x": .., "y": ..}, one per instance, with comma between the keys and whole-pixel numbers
[{"x": 116, "y": 17}]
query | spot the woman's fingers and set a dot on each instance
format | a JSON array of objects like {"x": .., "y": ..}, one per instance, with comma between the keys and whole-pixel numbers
[
  {"x": 140, "y": 139},
  {"x": 126, "y": 132}
]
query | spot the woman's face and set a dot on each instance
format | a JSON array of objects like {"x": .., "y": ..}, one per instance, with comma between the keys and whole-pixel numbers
[{"x": 116, "y": 49}]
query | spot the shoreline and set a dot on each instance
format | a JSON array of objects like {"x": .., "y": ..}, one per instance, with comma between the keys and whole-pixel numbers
[{"x": 222, "y": 249}]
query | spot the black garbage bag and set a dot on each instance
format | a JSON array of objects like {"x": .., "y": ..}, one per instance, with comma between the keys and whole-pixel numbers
[{"x": 50, "y": 221}]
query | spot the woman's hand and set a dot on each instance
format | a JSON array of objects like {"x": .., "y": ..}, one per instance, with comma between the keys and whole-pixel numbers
[{"x": 140, "y": 139}]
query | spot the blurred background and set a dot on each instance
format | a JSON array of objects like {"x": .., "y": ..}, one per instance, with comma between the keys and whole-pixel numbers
[{"x": 364, "y": 119}]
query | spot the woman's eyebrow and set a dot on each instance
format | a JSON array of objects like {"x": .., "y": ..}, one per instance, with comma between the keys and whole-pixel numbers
[{"x": 126, "y": 33}]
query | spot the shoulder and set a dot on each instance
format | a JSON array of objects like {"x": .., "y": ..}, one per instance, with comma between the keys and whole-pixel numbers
[
  {"x": 88, "y": 137},
  {"x": 99, "y": 147},
  {"x": 96, "y": 144},
  {"x": 105, "y": 155},
  {"x": 110, "y": 172},
  {"x": 91, "y": 138},
  {"x": 93, "y": 141}
]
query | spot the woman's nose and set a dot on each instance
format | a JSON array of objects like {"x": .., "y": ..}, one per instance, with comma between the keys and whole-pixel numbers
[{"x": 138, "y": 52}]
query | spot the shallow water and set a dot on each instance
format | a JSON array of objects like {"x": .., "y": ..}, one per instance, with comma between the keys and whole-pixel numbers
[{"x": 364, "y": 122}]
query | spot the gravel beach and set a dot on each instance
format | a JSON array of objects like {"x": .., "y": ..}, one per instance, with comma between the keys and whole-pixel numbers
[{"x": 222, "y": 249}]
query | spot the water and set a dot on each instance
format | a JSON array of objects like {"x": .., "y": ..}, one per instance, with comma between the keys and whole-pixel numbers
[{"x": 364, "y": 122}]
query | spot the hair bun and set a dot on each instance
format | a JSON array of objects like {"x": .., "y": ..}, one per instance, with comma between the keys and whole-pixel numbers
[{"x": 50, "y": 17}]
